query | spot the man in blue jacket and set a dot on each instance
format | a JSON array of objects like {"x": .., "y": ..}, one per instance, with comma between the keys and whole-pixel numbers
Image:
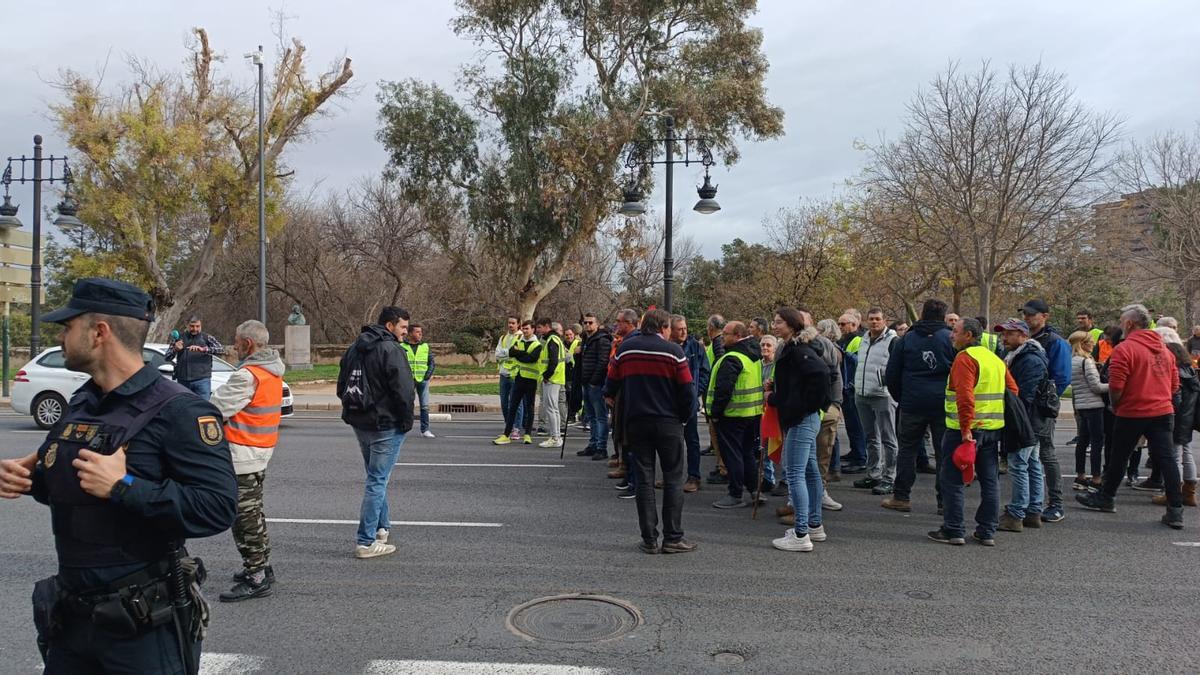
[
  {"x": 1058, "y": 354},
  {"x": 916, "y": 377},
  {"x": 1026, "y": 360},
  {"x": 699, "y": 367}
]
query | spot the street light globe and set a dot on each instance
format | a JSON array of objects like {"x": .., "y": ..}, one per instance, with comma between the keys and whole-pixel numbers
[
  {"x": 67, "y": 220},
  {"x": 633, "y": 206},
  {"x": 8, "y": 213},
  {"x": 707, "y": 204}
]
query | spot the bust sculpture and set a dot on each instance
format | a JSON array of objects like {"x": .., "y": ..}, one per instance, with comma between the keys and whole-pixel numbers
[{"x": 296, "y": 318}]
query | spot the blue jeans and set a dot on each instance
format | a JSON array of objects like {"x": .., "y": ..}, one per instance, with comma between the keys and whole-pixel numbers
[
  {"x": 854, "y": 429},
  {"x": 380, "y": 450},
  {"x": 691, "y": 437},
  {"x": 768, "y": 467},
  {"x": 1025, "y": 471},
  {"x": 423, "y": 398},
  {"x": 593, "y": 396},
  {"x": 201, "y": 388},
  {"x": 804, "y": 477},
  {"x": 506, "y": 388},
  {"x": 987, "y": 472}
]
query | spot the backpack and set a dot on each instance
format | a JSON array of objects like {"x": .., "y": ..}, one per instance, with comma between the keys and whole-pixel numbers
[
  {"x": 1045, "y": 399},
  {"x": 357, "y": 396}
]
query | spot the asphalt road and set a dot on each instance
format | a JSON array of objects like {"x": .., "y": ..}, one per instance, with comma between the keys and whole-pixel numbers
[{"x": 1095, "y": 593}]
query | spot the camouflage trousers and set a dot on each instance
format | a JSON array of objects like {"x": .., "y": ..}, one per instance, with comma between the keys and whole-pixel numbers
[{"x": 250, "y": 527}]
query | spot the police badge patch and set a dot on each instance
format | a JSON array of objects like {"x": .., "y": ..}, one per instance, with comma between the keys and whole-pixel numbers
[
  {"x": 51, "y": 455},
  {"x": 210, "y": 430}
]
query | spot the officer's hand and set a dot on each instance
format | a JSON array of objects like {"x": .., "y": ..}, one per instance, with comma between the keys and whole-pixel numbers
[
  {"x": 97, "y": 472},
  {"x": 195, "y": 348},
  {"x": 15, "y": 476}
]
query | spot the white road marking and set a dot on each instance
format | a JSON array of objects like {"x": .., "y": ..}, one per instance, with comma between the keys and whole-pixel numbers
[
  {"x": 1187, "y": 543},
  {"x": 27, "y": 431},
  {"x": 405, "y": 523},
  {"x": 230, "y": 664},
  {"x": 497, "y": 466},
  {"x": 387, "y": 667}
]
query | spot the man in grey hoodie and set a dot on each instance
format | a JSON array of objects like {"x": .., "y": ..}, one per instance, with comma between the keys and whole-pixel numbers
[{"x": 250, "y": 403}]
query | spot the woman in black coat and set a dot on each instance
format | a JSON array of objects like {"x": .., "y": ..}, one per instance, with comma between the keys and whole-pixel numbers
[{"x": 800, "y": 393}]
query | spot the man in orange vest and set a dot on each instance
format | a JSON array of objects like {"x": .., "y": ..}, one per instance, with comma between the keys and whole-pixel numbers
[{"x": 251, "y": 403}]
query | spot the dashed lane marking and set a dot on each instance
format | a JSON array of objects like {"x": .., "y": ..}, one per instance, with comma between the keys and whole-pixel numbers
[
  {"x": 403, "y": 523},
  {"x": 230, "y": 664},
  {"x": 384, "y": 667}
]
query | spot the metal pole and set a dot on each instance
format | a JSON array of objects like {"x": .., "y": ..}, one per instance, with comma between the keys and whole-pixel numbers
[
  {"x": 668, "y": 261},
  {"x": 35, "y": 270},
  {"x": 6, "y": 364},
  {"x": 262, "y": 201}
]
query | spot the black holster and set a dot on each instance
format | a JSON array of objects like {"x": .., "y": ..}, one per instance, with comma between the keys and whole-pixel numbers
[{"x": 47, "y": 612}]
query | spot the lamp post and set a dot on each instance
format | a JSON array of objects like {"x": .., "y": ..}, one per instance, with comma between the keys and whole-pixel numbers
[
  {"x": 257, "y": 59},
  {"x": 633, "y": 204},
  {"x": 67, "y": 220}
]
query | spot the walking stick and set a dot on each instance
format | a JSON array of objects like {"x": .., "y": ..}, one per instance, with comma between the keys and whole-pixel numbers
[{"x": 762, "y": 456}]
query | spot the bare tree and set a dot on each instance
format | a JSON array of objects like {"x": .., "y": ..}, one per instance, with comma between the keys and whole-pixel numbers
[
  {"x": 991, "y": 168},
  {"x": 1162, "y": 179}
]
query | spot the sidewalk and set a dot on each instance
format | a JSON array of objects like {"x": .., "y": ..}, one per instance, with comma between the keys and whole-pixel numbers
[{"x": 438, "y": 403}]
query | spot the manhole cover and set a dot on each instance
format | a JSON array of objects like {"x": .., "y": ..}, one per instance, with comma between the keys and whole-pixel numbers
[
  {"x": 728, "y": 658},
  {"x": 573, "y": 618}
]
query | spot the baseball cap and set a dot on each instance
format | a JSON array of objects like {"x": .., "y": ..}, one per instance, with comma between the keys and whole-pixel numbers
[
  {"x": 1035, "y": 306},
  {"x": 104, "y": 296},
  {"x": 1012, "y": 324}
]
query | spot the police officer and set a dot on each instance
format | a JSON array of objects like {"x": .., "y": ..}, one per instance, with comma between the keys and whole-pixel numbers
[{"x": 136, "y": 465}]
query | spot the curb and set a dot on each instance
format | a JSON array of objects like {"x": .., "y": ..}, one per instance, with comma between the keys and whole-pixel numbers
[{"x": 327, "y": 407}]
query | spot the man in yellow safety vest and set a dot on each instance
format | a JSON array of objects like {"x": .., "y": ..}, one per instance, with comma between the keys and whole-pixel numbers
[
  {"x": 974, "y": 413},
  {"x": 735, "y": 402},
  {"x": 420, "y": 361}
]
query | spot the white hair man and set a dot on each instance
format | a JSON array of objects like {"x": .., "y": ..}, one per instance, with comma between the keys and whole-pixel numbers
[{"x": 251, "y": 403}]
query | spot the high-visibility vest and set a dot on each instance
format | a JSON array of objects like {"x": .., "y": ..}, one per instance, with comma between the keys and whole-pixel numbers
[
  {"x": 559, "y": 376},
  {"x": 853, "y": 345},
  {"x": 418, "y": 359},
  {"x": 990, "y": 342},
  {"x": 747, "y": 400},
  {"x": 989, "y": 392},
  {"x": 708, "y": 352},
  {"x": 1095, "y": 333},
  {"x": 528, "y": 371},
  {"x": 257, "y": 425},
  {"x": 508, "y": 364},
  {"x": 571, "y": 350}
]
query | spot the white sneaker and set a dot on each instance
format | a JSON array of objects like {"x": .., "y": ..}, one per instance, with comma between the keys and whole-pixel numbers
[
  {"x": 816, "y": 533},
  {"x": 790, "y": 542},
  {"x": 551, "y": 443},
  {"x": 381, "y": 535},
  {"x": 428, "y": 434},
  {"x": 376, "y": 549},
  {"x": 828, "y": 504}
]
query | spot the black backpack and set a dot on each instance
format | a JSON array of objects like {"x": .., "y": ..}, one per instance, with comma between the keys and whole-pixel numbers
[
  {"x": 357, "y": 395},
  {"x": 1045, "y": 399}
]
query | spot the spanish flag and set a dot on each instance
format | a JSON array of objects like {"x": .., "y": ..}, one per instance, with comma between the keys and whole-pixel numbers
[{"x": 771, "y": 434}]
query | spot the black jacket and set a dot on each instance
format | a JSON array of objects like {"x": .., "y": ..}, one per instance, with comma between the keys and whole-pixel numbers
[
  {"x": 595, "y": 357},
  {"x": 726, "y": 376},
  {"x": 919, "y": 366},
  {"x": 390, "y": 380},
  {"x": 801, "y": 381}
]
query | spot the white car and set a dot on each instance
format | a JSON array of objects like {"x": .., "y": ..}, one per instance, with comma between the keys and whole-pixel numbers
[{"x": 44, "y": 385}]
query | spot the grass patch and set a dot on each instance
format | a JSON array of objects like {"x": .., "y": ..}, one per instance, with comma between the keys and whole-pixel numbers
[
  {"x": 488, "y": 370},
  {"x": 322, "y": 371},
  {"x": 486, "y": 388}
]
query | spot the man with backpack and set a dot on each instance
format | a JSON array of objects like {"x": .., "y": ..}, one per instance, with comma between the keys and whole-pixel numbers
[
  {"x": 1027, "y": 362},
  {"x": 375, "y": 385},
  {"x": 1058, "y": 357}
]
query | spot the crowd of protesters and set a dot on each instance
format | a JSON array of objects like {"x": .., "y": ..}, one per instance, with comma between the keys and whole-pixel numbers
[{"x": 957, "y": 398}]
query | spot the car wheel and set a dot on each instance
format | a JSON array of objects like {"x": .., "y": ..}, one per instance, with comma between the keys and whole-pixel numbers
[{"x": 48, "y": 408}]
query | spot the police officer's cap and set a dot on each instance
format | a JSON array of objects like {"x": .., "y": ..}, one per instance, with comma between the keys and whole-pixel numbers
[{"x": 104, "y": 296}]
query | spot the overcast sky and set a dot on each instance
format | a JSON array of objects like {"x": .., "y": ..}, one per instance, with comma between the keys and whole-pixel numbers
[{"x": 841, "y": 71}]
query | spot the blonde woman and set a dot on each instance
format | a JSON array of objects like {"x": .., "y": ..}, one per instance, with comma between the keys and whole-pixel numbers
[
  {"x": 769, "y": 344},
  {"x": 1087, "y": 391}
]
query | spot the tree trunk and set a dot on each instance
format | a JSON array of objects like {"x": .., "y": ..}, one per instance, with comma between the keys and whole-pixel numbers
[
  {"x": 529, "y": 297},
  {"x": 985, "y": 301}
]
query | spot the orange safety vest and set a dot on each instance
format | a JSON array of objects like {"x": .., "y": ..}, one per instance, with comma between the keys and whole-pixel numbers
[{"x": 257, "y": 425}]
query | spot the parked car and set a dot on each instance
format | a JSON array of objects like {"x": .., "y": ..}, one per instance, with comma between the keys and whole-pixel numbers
[{"x": 44, "y": 385}]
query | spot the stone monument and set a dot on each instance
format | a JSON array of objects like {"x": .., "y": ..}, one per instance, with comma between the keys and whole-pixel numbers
[{"x": 297, "y": 346}]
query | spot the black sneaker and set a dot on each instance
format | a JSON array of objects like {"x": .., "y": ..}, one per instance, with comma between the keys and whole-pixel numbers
[
  {"x": 541, "y": 431},
  {"x": 853, "y": 468},
  {"x": 247, "y": 590},
  {"x": 1081, "y": 484},
  {"x": 939, "y": 535},
  {"x": 650, "y": 547},
  {"x": 866, "y": 483},
  {"x": 239, "y": 577},
  {"x": 1096, "y": 502},
  {"x": 626, "y": 494},
  {"x": 623, "y": 485},
  {"x": 717, "y": 479},
  {"x": 599, "y": 455},
  {"x": 1148, "y": 486},
  {"x": 983, "y": 541},
  {"x": 781, "y": 489},
  {"x": 767, "y": 487},
  {"x": 883, "y": 488},
  {"x": 586, "y": 452},
  {"x": 707, "y": 452}
]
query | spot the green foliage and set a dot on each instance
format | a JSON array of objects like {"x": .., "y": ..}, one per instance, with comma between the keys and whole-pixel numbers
[
  {"x": 482, "y": 389},
  {"x": 465, "y": 343}
]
